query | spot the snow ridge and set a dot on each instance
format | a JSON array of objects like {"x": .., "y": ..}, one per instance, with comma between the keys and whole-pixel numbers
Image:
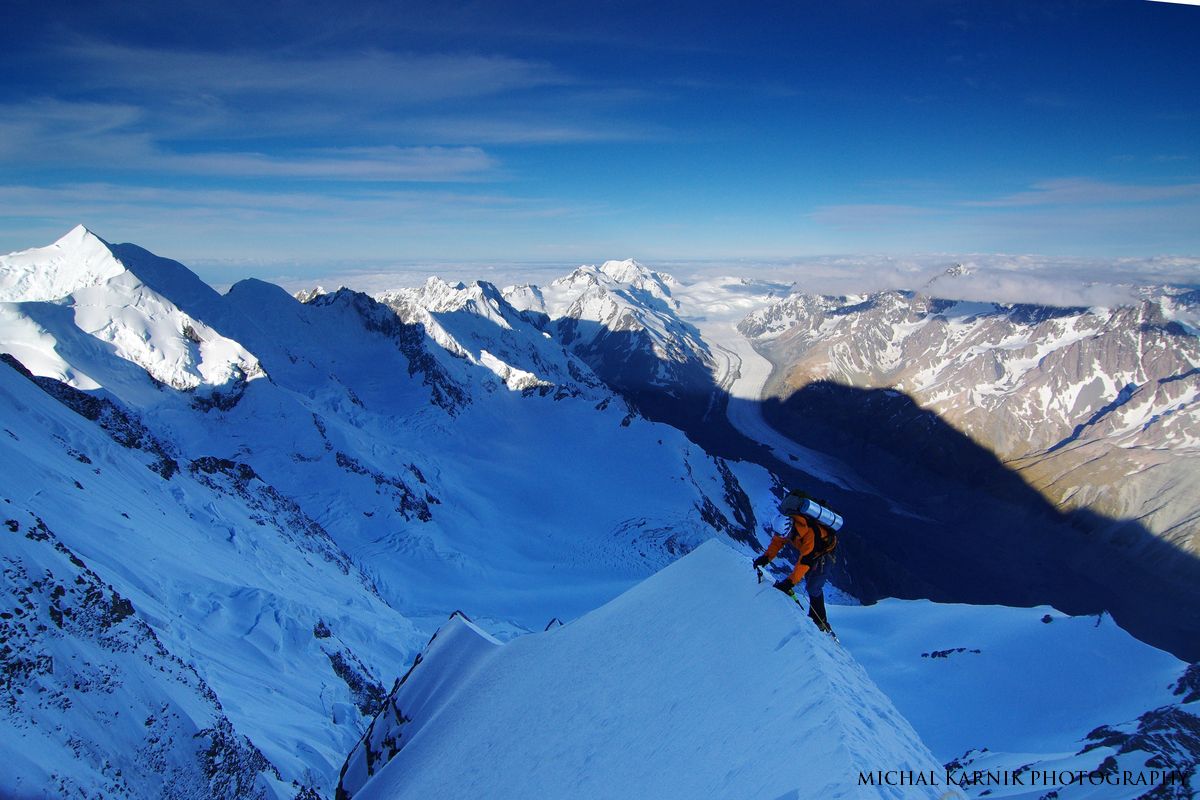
[{"x": 689, "y": 685}]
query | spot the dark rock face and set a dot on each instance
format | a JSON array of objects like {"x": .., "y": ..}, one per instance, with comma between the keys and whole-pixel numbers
[
  {"x": 121, "y": 425},
  {"x": 368, "y": 695},
  {"x": 1166, "y": 739},
  {"x": 410, "y": 339},
  {"x": 743, "y": 525},
  {"x": 410, "y": 503},
  {"x": 1188, "y": 685}
]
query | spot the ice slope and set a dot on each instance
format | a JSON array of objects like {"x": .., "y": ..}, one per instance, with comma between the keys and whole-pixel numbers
[
  {"x": 698, "y": 682},
  {"x": 269, "y": 616}
]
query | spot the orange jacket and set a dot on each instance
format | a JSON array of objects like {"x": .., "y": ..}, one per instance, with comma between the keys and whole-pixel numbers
[{"x": 802, "y": 538}]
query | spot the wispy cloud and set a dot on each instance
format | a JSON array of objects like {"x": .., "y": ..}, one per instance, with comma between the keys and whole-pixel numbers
[
  {"x": 1086, "y": 191},
  {"x": 87, "y": 201},
  {"x": 526, "y": 129},
  {"x": 221, "y": 223},
  {"x": 407, "y": 164},
  {"x": 368, "y": 77},
  {"x": 862, "y": 215},
  {"x": 113, "y": 137},
  {"x": 998, "y": 278},
  {"x": 1117, "y": 219}
]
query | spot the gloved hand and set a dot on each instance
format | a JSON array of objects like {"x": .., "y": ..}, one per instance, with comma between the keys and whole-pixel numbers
[
  {"x": 785, "y": 585},
  {"x": 761, "y": 562}
]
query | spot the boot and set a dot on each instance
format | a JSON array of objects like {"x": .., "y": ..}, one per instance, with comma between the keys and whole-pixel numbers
[{"x": 816, "y": 611}]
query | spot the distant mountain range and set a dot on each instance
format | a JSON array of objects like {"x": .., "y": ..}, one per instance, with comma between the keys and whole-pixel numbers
[
  {"x": 1096, "y": 407},
  {"x": 233, "y": 520}
]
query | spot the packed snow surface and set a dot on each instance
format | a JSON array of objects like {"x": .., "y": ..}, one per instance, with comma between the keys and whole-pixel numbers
[
  {"x": 698, "y": 683},
  {"x": 1013, "y": 680}
]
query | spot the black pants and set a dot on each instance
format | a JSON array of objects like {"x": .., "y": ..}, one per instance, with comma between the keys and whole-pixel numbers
[{"x": 814, "y": 585}]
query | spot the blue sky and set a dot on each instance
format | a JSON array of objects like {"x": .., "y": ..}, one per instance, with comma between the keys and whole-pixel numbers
[{"x": 250, "y": 139}]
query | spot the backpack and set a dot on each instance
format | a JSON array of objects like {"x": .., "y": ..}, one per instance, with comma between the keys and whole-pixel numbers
[
  {"x": 824, "y": 543},
  {"x": 797, "y": 503}
]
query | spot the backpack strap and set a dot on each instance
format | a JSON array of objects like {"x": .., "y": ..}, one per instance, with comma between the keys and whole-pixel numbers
[{"x": 824, "y": 543}]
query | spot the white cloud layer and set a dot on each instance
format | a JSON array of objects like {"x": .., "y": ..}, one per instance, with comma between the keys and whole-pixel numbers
[{"x": 993, "y": 278}]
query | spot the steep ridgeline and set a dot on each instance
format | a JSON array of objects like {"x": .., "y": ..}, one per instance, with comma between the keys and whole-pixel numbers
[
  {"x": 699, "y": 682},
  {"x": 290, "y": 497},
  {"x": 476, "y": 323},
  {"x": 621, "y": 319},
  {"x": 1096, "y": 407}
]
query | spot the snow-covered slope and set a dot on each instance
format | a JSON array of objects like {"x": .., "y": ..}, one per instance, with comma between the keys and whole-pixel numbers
[
  {"x": 699, "y": 682},
  {"x": 1080, "y": 672},
  {"x": 258, "y": 509},
  {"x": 1017, "y": 690},
  {"x": 430, "y": 447},
  {"x": 156, "y": 598},
  {"x": 478, "y": 324},
  {"x": 67, "y": 307},
  {"x": 292, "y": 536},
  {"x": 78, "y": 260}
]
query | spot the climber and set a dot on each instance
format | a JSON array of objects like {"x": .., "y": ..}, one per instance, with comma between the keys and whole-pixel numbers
[{"x": 809, "y": 527}]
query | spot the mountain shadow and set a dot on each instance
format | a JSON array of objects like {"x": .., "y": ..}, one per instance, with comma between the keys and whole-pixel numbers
[
  {"x": 972, "y": 530},
  {"x": 680, "y": 392},
  {"x": 947, "y": 520}
]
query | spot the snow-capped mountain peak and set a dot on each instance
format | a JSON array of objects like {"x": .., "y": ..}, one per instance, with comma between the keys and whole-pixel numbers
[
  {"x": 480, "y": 297},
  {"x": 308, "y": 295},
  {"x": 627, "y": 277},
  {"x": 951, "y": 275},
  {"x": 77, "y": 260},
  {"x": 67, "y": 305},
  {"x": 631, "y": 271},
  {"x": 476, "y": 323}
]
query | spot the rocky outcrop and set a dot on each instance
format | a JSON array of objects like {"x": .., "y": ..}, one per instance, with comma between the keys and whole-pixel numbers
[{"x": 102, "y": 707}]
